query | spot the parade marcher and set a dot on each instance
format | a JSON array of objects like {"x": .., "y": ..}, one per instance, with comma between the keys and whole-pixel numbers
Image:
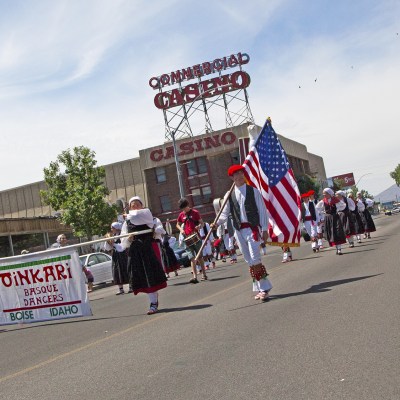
[
  {"x": 310, "y": 219},
  {"x": 287, "y": 254},
  {"x": 334, "y": 232},
  {"x": 369, "y": 222},
  {"x": 346, "y": 217},
  {"x": 159, "y": 232},
  {"x": 320, "y": 217},
  {"x": 146, "y": 274},
  {"x": 207, "y": 249},
  {"x": 89, "y": 278},
  {"x": 217, "y": 247},
  {"x": 359, "y": 221},
  {"x": 263, "y": 249},
  {"x": 171, "y": 264},
  {"x": 250, "y": 220},
  {"x": 227, "y": 234},
  {"x": 189, "y": 223},
  {"x": 119, "y": 259}
]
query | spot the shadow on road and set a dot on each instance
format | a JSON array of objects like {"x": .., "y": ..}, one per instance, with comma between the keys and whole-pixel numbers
[
  {"x": 322, "y": 287},
  {"x": 319, "y": 288},
  {"x": 208, "y": 280},
  {"x": 306, "y": 258},
  {"x": 347, "y": 253},
  {"x": 188, "y": 308}
]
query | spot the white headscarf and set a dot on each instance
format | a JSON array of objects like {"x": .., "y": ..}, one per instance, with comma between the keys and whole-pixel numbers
[
  {"x": 329, "y": 191},
  {"x": 116, "y": 225},
  {"x": 341, "y": 193},
  {"x": 135, "y": 198}
]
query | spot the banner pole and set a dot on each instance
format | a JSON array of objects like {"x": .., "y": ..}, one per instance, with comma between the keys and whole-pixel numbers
[
  {"x": 76, "y": 246},
  {"x": 200, "y": 252}
]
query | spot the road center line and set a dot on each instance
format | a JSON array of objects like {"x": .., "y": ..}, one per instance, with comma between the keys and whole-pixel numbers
[{"x": 114, "y": 335}]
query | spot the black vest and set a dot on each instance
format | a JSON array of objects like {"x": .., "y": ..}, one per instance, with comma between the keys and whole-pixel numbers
[
  {"x": 347, "y": 204},
  {"x": 311, "y": 207},
  {"x": 330, "y": 208},
  {"x": 250, "y": 207}
]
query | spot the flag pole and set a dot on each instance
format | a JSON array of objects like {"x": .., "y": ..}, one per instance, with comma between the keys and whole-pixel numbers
[{"x": 200, "y": 252}]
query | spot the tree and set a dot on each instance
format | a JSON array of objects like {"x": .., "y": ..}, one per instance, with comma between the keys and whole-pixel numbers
[
  {"x": 76, "y": 188},
  {"x": 306, "y": 183},
  {"x": 364, "y": 193},
  {"x": 396, "y": 175},
  {"x": 338, "y": 184}
]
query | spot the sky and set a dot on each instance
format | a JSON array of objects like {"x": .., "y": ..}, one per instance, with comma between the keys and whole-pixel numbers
[{"x": 75, "y": 73}]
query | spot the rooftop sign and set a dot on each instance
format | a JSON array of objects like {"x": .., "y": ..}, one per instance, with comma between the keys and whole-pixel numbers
[{"x": 202, "y": 89}]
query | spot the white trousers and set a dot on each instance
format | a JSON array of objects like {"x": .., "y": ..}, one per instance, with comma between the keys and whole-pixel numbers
[
  {"x": 228, "y": 242},
  {"x": 311, "y": 228},
  {"x": 250, "y": 249},
  {"x": 207, "y": 249}
]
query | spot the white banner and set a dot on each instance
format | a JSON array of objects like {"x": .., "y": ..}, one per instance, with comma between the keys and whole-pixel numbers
[{"x": 42, "y": 286}]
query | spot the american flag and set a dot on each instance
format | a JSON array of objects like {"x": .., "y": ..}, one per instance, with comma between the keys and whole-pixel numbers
[{"x": 267, "y": 169}]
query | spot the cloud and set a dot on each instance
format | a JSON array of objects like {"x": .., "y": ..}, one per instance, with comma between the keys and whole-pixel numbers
[{"x": 76, "y": 73}]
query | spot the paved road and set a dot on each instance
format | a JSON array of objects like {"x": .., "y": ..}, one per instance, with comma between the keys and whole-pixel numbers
[{"x": 330, "y": 331}]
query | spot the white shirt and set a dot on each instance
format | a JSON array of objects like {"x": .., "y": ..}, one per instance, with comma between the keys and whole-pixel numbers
[
  {"x": 137, "y": 217},
  {"x": 159, "y": 230},
  {"x": 360, "y": 205},
  {"x": 351, "y": 204},
  {"x": 340, "y": 206}
]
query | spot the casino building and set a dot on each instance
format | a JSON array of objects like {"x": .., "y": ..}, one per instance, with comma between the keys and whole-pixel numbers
[{"x": 27, "y": 223}]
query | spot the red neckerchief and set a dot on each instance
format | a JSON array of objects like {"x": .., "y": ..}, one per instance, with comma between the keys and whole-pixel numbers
[{"x": 334, "y": 200}]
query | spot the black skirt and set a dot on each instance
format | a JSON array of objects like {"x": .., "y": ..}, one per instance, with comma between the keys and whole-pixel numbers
[
  {"x": 358, "y": 222},
  {"x": 334, "y": 232},
  {"x": 369, "y": 222},
  {"x": 120, "y": 267},
  {"x": 347, "y": 223},
  {"x": 146, "y": 274}
]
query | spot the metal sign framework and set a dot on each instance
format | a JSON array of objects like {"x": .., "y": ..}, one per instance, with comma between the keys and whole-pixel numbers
[{"x": 178, "y": 120}]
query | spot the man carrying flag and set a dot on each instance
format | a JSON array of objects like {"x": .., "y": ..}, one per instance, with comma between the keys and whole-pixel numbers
[
  {"x": 246, "y": 206},
  {"x": 267, "y": 169},
  {"x": 270, "y": 201}
]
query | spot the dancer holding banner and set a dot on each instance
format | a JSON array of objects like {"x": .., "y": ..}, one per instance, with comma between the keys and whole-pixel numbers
[
  {"x": 145, "y": 271},
  {"x": 246, "y": 206}
]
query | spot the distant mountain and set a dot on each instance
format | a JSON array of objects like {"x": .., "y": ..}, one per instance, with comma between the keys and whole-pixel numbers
[{"x": 390, "y": 194}]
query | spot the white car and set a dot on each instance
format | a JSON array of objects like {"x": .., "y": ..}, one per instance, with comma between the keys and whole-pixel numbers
[{"x": 99, "y": 264}]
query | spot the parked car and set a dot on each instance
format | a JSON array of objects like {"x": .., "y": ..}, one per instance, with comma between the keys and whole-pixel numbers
[
  {"x": 181, "y": 255},
  {"x": 99, "y": 264},
  {"x": 395, "y": 210}
]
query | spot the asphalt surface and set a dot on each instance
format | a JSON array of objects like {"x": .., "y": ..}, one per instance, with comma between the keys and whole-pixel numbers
[{"x": 330, "y": 331}]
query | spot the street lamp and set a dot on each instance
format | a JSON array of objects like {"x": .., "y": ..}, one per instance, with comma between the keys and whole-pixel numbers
[
  {"x": 178, "y": 166},
  {"x": 368, "y": 173}
]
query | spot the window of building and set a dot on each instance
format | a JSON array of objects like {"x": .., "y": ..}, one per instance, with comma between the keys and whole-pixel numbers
[
  {"x": 161, "y": 175},
  {"x": 235, "y": 157},
  {"x": 198, "y": 181},
  {"x": 201, "y": 195},
  {"x": 197, "y": 166},
  {"x": 165, "y": 203}
]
